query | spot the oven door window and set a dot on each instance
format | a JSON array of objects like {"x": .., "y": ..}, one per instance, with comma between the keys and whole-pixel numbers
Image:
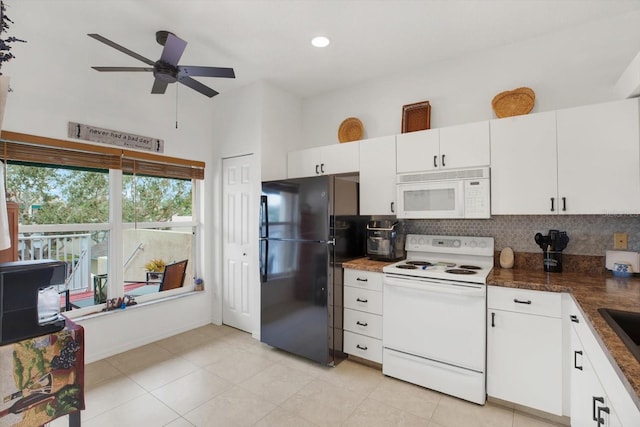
[{"x": 431, "y": 200}]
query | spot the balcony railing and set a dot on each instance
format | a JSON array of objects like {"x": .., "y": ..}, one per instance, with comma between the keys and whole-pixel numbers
[{"x": 74, "y": 249}]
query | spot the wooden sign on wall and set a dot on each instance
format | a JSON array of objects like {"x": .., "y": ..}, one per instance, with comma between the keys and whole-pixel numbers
[{"x": 114, "y": 137}]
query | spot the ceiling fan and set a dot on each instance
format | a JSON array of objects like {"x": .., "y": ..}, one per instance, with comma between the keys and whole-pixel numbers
[{"x": 166, "y": 69}]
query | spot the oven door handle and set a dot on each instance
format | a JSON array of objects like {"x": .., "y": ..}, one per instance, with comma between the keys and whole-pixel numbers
[{"x": 436, "y": 287}]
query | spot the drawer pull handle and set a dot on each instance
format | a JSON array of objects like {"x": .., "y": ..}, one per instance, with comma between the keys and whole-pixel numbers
[
  {"x": 359, "y": 279},
  {"x": 574, "y": 318},
  {"x": 593, "y": 402},
  {"x": 601, "y": 420},
  {"x": 493, "y": 320},
  {"x": 516, "y": 300},
  {"x": 362, "y": 300},
  {"x": 361, "y": 323},
  {"x": 575, "y": 359},
  {"x": 361, "y": 347}
]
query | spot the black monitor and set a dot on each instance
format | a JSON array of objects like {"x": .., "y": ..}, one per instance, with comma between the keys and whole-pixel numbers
[{"x": 20, "y": 283}]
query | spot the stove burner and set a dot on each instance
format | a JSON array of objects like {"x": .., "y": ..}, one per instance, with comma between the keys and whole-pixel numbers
[
  {"x": 419, "y": 263},
  {"x": 460, "y": 271},
  {"x": 407, "y": 266},
  {"x": 471, "y": 267}
]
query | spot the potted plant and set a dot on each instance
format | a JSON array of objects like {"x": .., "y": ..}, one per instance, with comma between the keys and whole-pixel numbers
[{"x": 155, "y": 266}]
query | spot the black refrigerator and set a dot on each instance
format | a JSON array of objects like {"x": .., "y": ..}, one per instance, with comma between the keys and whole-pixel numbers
[{"x": 308, "y": 227}]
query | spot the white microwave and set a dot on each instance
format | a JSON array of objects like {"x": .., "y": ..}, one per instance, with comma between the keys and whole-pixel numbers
[{"x": 461, "y": 193}]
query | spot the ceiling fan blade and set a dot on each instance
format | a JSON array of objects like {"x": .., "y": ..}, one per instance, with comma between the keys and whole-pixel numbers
[
  {"x": 196, "y": 85},
  {"x": 190, "y": 70},
  {"x": 121, "y": 48},
  {"x": 159, "y": 86},
  {"x": 122, "y": 68},
  {"x": 173, "y": 49}
]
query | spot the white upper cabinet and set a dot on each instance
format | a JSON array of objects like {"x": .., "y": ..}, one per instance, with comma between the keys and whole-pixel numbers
[
  {"x": 418, "y": 151},
  {"x": 325, "y": 160},
  {"x": 453, "y": 147},
  {"x": 583, "y": 160},
  {"x": 378, "y": 176},
  {"x": 599, "y": 158},
  {"x": 465, "y": 145},
  {"x": 524, "y": 165}
]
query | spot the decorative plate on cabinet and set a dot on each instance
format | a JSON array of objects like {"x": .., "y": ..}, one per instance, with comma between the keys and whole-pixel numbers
[{"x": 350, "y": 130}]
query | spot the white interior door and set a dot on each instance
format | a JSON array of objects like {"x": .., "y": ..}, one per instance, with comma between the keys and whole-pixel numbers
[{"x": 238, "y": 252}]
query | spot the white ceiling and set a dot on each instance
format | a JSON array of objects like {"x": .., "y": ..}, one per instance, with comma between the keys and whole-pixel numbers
[{"x": 270, "y": 39}]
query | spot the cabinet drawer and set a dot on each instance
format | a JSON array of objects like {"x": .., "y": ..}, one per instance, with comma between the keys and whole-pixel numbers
[
  {"x": 363, "y": 300},
  {"x": 363, "y": 279},
  {"x": 361, "y": 346},
  {"x": 363, "y": 323},
  {"x": 525, "y": 301}
]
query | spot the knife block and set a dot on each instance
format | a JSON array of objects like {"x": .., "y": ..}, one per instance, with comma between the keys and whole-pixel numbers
[{"x": 552, "y": 261}]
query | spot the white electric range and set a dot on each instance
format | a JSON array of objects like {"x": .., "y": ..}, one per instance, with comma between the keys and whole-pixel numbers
[{"x": 434, "y": 314}]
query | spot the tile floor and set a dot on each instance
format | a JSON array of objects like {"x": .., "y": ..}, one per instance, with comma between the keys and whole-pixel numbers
[{"x": 219, "y": 376}]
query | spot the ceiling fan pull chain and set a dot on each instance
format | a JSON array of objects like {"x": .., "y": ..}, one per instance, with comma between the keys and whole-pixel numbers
[{"x": 177, "y": 106}]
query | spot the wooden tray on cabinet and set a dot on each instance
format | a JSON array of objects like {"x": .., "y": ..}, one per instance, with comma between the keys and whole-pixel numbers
[{"x": 416, "y": 116}]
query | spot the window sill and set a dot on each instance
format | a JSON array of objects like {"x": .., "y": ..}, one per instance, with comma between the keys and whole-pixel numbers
[{"x": 87, "y": 313}]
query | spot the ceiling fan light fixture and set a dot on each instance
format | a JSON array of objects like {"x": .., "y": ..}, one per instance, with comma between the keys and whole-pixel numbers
[{"x": 320, "y": 41}]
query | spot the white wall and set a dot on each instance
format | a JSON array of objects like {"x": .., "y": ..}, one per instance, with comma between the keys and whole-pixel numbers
[
  {"x": 574, "y": 67},
  {"x": 48, "y": 93},
  {"x": 263, "y": 120}
]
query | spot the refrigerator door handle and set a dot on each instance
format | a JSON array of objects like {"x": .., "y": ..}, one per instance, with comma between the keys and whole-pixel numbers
[
  {"x": 264, "y": 257},
  {"x": 264, "y": 217}
]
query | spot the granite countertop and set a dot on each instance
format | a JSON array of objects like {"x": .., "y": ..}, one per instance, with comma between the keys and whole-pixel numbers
[
  {"x": 366, "y": 264},
  {"x": 590, "y": 291}
]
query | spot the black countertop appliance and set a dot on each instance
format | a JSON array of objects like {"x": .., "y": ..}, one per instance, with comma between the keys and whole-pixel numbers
[{"x": 22, "y": 286}]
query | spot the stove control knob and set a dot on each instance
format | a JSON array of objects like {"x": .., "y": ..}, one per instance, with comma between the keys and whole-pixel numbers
[
  {"x": 421, "y": 241},
  {"x": 483, "y": 244},
  {"x": 456, "y": 243},
  {"x": 473, "y": 244}
]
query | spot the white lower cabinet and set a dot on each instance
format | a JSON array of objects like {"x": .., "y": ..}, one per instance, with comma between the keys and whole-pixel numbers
[
  {"x": 524, "y": 348},
  {"x": 598, "y": 396},
  {"x": 590, "y": 404},
  {"x": 363, "y": 314}
]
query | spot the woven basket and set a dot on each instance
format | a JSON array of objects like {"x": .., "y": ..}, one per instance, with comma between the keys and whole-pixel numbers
[
  {"x": 513, "y": 102},
  {"x": 350, "y": 130}
]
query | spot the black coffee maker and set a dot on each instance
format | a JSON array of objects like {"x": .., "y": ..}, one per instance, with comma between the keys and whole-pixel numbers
[
  {"x": 552, "y": 246},
  {"x": 22, "y": 313}
]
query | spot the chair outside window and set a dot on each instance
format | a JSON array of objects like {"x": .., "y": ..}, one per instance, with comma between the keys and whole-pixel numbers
[{"x": 173, "y": 275}]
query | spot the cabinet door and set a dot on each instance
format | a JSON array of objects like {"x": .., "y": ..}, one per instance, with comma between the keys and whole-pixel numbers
[
  {"x": 587, "y": 393},
  {"x": 378, "y": 176},
  {"x": 598, "y": 158},
  {"x": 418, "y": 151},
  {"x": 340, "y": 158},
  {"x": 523, "y": 165},
  {"x": 302, "y": 163},
  {"x": 465, "y": 145},
  {"x": 524, "y": 360}
]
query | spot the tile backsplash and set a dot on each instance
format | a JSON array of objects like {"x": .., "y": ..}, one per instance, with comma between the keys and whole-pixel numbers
[{"x": 588, "y": 234}]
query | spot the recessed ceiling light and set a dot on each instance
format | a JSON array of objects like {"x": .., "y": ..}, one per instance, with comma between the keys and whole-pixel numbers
[{"x": 320, "y": 41}]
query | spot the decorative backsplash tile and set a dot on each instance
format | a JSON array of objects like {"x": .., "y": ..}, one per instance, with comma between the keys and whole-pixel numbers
[{"x": 588, "y": 234}]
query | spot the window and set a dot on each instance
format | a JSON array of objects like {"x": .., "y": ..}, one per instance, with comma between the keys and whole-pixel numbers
[{"x": 67, "y": 193}]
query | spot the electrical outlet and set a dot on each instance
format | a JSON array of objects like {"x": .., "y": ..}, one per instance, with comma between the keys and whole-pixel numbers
[{"x": 620, "y": 241}]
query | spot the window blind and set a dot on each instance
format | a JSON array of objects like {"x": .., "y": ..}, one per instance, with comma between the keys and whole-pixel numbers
[{"x": 20, "y": 147}]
